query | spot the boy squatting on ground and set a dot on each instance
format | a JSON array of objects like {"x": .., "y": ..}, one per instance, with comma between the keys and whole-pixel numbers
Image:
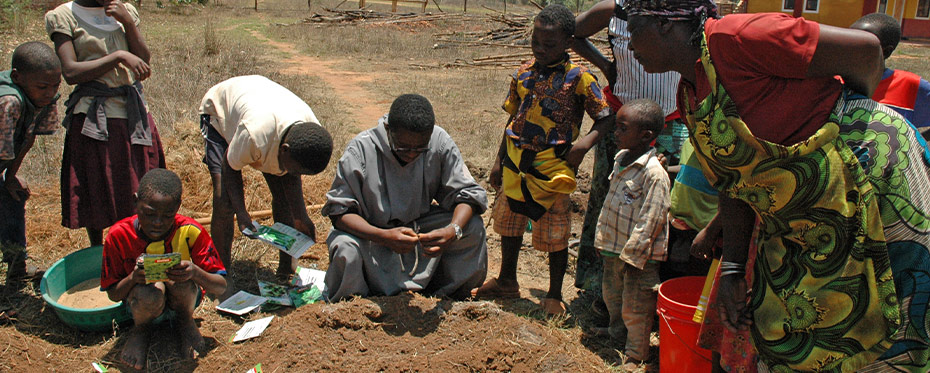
[
  {"x": 632, "y": 230},
  {"x": 157, "y": 229},
  {"x": 905, "y": 92},
  {"x": 28, "y": 93},
  {"x": 253, "y": 121},
  {"x": 536, "y": 161},
  {"x": 387, "y": 235}
]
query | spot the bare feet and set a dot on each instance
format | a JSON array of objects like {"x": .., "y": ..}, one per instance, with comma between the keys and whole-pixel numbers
[
  {"x": 136, "y": 349},
  {"x": 192, "y": 344},
  {"x": 497, "y": 288}
]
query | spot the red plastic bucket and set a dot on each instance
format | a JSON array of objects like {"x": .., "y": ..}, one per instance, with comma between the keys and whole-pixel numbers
[{"x": 678, "y": 333}]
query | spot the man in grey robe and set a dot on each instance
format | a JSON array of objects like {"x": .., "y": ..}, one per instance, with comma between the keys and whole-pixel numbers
[{"x": 405, "y": 211}]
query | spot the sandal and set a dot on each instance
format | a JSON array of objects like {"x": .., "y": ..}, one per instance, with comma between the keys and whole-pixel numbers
[
  {"x": 492, "y": 289},
  {"x": 553, "y": 307}
]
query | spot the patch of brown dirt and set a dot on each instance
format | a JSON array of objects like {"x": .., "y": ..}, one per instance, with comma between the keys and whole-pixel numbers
[
  {"x": 407, "y": 333},
  {"x": 345, "y": 84}
]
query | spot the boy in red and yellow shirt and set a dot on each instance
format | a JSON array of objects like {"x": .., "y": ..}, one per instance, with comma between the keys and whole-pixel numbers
[{"x": 157, "y": 229}]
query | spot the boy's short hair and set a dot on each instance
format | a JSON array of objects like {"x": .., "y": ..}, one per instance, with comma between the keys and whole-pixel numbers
[
  {"x": 558, "y": 15},
  {"x": 160, "y": 181},
  {"x": 310, "y": 145},
  {"x": 647, "y": 113},
  {"x": 888, "y": 30},
  {"x": 34, "y": 56},
  {"x": 412, "y": 112}
]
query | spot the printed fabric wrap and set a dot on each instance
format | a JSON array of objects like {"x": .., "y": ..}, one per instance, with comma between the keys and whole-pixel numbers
[
  {"x": 823, "y": 298},
  {"x": 533, "y": 181},
  {"x": 895, "y": 159}
]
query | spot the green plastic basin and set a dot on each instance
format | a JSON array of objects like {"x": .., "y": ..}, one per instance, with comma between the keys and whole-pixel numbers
[{"x": 71, "y": 270}]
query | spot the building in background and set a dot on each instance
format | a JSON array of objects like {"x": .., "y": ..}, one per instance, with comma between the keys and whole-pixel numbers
[{"x": 914, "y": 15}]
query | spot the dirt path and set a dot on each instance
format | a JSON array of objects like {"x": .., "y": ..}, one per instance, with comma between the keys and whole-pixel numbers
[{"x": 347, "y": 85}]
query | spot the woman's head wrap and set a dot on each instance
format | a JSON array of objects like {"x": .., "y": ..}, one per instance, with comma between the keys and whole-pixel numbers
[
  {"x": 672, "y": 10},
  {"x": 696, "y": 11}
]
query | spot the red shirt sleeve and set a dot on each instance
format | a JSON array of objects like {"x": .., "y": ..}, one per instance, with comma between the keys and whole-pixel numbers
[
  {"x": 119, "y": 253},
  {"x": 762, "y": 61}
]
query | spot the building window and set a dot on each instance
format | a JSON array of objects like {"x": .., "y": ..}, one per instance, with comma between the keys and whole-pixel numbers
[
  {"x": 882, "y": 6},
  {"x": 811, "y": 6},
  {"x": 787, "y": 5},
  {"x": 923, "y": 9}
]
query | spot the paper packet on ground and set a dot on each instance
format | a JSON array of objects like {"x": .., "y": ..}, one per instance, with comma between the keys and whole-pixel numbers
[
  {"x": 252, "y": 329},
  {"x": 156, "y": 266},
  {"x": 276, "y": 294},
  {"x": 241, "y": 303},
  {"x": 308, "y": 286},
  {"x": 304, "y": 277},
  {"x": 285, "y": 238}
]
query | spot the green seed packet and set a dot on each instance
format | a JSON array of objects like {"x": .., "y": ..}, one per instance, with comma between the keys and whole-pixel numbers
[
  {"x": 307, "y": 295},
  {"x": 285, "y": 238},
  {"x": 156, "y": 266},
  {"x": 276, "y": 294}
]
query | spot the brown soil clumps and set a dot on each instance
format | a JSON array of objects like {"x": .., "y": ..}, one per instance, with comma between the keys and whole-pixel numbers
[{"x": 408, "y": 332}]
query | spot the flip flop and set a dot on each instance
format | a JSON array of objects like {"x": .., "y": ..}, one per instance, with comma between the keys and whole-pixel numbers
[
  {"x": 491, "y": 289},
  {"x": 553, "y": 307}
]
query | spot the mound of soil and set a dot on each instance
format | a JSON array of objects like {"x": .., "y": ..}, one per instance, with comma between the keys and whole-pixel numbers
[{"x": 407, "y": 332}]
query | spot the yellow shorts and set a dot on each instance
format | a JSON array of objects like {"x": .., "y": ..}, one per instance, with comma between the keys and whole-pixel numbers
[{"x": 550, "y": 232}]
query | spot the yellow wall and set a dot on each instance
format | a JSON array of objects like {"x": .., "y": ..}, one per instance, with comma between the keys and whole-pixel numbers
[
  {"x": 832, "y": 12},
  {"x": 764, "y": 6},
  {"x": 910, "y": 10}
]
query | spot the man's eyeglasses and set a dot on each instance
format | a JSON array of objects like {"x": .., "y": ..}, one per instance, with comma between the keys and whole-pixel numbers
[{"x": 404, "y": 150}]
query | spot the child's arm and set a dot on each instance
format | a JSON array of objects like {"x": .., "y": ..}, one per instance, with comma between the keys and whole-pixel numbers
[
  {"x": 581, "y": 147},
  {"x": 77, "y": 72},
  {"x": 231, "y": 181},
  {"x": 9, "y": 116},
  {"x": 291, "y": 185},
  {"x": 121, "y": 289},
  {"x": 587, "y": 24},
  {"x": 495, "y": 177},
  {"x": 118, "y": 10},
  {"x": 212, "y": 283},
  {"x": 16, "y": 186}
]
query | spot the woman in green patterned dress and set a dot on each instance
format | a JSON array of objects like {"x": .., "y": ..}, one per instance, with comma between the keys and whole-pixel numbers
[{"x": 825, "y": 171}]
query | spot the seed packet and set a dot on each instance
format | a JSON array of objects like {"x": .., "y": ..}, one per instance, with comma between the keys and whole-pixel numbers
[
  {"x": 241, "y": 303},
  {"x": 276, "y": 294},
  {"x": 286, "y": 238},
  {"x": 156, "y": 266},
  {"x": 252, "y": 329},
  {"x": 304, "y": 277},
  {"x": 306, "y": 295}
]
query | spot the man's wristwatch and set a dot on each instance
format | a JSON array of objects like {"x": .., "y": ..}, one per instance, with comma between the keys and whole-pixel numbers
[{"x": 458, "y": 230}]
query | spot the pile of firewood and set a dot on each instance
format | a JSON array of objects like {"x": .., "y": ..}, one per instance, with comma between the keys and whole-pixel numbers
[{"x": 514, "y": 31}]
